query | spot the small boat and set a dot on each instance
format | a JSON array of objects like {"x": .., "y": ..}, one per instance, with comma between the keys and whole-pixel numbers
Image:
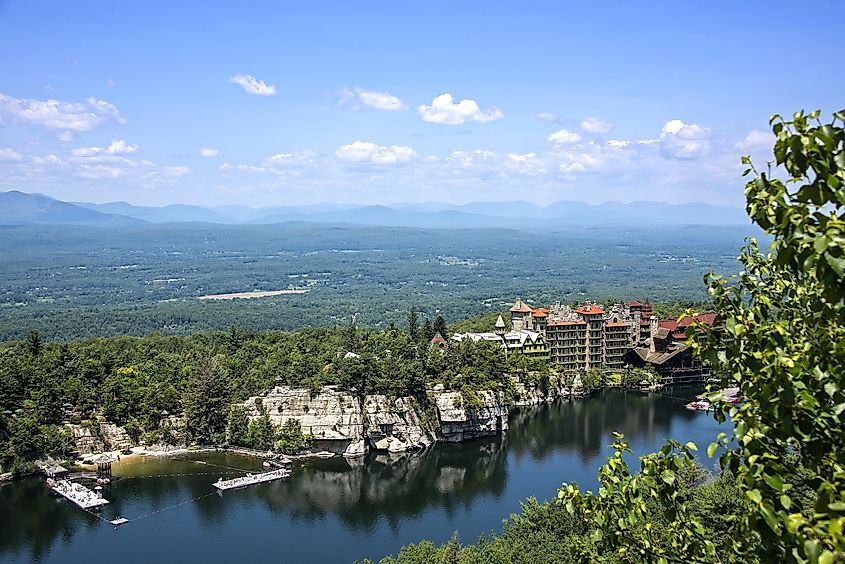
[{"x": 699, "y": 405}]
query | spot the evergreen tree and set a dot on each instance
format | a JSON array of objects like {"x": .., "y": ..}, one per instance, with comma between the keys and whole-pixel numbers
[
  {"x": 34, "y": 344},
  {"x": 413, "y": 324},
  {"x": 427, "y": 330},
  {"x": 206, "y": 401},
  {"x": 440, "y": 326}
]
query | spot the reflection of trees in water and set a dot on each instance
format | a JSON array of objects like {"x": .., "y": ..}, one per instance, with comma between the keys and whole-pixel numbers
[
  {"x": 358, "y": 491},
  {"x": 585, "y": 425},
  {"x": 32, "y": 519},
  {"x": 362, "y": 491}
]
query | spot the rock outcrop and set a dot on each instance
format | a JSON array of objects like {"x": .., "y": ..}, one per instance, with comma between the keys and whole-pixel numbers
[
  {"x": 459, "y": 422},
  {"x": 99, "y": 437},
  {"x": 333, "y": 418},
  {"x": 535, "y": 394},
  {"x": 395, "y": 425}
]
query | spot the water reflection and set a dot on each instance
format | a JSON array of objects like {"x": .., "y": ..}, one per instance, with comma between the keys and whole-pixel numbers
[{"x": 365, "y": 500}]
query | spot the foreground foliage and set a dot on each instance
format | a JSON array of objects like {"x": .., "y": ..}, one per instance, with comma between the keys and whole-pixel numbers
[{"x": 780, "y": 338}]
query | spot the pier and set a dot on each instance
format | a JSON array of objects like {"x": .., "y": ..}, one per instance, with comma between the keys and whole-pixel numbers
[
  {"x": 79, "y": 494},
  {"x": 251, "y": 479}
]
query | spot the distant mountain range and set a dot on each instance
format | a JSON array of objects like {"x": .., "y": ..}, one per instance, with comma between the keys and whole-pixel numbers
[{"x": 18, "y": 208}]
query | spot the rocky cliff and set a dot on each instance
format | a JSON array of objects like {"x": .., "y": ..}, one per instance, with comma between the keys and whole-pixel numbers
[
  {"x": 99, "y": 437},
  {"x": 333, "y": 418},
  {"x": 395, "y": 425},
  {"x": 459, "y": 421}
]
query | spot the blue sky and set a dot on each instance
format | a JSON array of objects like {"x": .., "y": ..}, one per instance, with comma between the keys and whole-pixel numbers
[{"x": 280, "y": 103}]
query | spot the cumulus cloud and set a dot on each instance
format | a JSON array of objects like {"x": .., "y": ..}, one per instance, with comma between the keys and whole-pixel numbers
[
  {"x": 57, "y": 114},
  {"x": 208, "y": 152},
  {"x": 252, "y": 85},
  {"x": 365, "y": 152},
  {"x": 378, "y": 100},
  {"x": 445, "y": 111},
  {"x": 117, "y": 147},
  {"x": 564, "y": 137},
  {"x": 684, "y": 141},
  {"x": 756, "y": 140},
  {"x": 617, "y": 144},
  {"x": 595, "y": 125}
]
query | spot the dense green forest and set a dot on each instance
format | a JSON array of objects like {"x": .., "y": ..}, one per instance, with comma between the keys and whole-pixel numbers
[
  {"x": 138, "y": 381},
  {"x": 68, "y": 282}
]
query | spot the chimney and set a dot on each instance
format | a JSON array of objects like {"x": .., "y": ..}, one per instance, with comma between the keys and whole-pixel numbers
[{"x": 653, "y": 324}]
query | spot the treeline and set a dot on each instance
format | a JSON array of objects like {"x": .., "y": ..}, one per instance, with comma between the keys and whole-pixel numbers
[{"x": 138, "y": 382}]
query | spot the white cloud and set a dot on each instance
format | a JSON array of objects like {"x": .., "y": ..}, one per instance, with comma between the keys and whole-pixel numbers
[
  {"x": 683, "y": 141},
  {"x": 56, "y": 114},
  {"x": 617, "y": 144},
  {"x": 595, "y": 125},
  {"x": 209, "y": 152},
  {"x": 756, "y": 140},
  {"x": 443, "y": 110},
  {"x": 175, "y": 171},
  {"x": 117, "y": 147},
  {"x": 225, "y": 167},
  {"x": 252, "y": 85},
  {"x": 362, "y": 151},
  {"x": 564, "y": 137},
  {"x": 10, "y": 155},
  {"x": 550, "y": 117},
  {"x": 378, "y": 100}
]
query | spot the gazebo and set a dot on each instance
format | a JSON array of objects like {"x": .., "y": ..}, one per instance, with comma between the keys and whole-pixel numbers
[{"x": 103, "y": 463}]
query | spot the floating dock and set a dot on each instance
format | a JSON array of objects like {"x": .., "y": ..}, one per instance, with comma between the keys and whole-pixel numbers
[
  {"x": 251, "y": 479},
  {"x": 79, "y": 494}
]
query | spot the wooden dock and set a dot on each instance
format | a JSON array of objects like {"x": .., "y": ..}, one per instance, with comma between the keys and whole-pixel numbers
[
  {"x": 251, "y": 479},
  {"x": 78, "y": 494}
]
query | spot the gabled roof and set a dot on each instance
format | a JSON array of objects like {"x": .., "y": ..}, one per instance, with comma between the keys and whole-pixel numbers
[
  {"x": 658, "y": 357},
  {"x": 439, "y": 340},
  {"x": 633, "y": 304},
  {"x": 520, "y": 307},
  {"x": 500, "y": 323},
  {"x": 590, "y": 309},
  {"x": 540, "y": 312}
]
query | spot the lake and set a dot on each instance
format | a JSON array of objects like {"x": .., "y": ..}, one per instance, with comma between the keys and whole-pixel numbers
[{"x": 339, "y": 510}]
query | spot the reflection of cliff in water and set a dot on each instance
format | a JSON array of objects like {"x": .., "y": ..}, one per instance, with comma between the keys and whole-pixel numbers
[
  {"x": 359, "y": 492},
  {"x": 391, "y": 486},
  {"x": 362, "y": 491},
  {"x": 585, "y": 426}
]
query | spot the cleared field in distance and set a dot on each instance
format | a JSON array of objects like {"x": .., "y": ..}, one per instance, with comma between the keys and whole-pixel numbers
[{"x": 250, "y": 295}]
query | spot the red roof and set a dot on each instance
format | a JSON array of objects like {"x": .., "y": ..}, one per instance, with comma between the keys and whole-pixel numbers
[
  {"x": 617, "y": 324},
  {"x": 633, "y": 304},
  {"x": 521, "y": 307},
  {"x": 540, "y": 312},
  {"x": 590, "y": 309},
  {"x": 672, "y": 324}
]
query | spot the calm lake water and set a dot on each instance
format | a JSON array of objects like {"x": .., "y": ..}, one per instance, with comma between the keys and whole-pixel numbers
[{"x": 340, "y": 510}]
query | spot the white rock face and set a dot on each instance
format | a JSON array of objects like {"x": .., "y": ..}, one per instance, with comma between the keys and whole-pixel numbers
[
  {"x": 459, "y": 424},
  {"x": 333, "y": 418},
  {"x": 394, "y": 426},
  {"x": 529, "y": 394},
  {"x": 104, "y": 437}
]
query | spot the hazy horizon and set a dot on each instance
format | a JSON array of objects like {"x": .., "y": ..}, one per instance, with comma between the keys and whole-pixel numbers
[{"x": 272, "y": 105}]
